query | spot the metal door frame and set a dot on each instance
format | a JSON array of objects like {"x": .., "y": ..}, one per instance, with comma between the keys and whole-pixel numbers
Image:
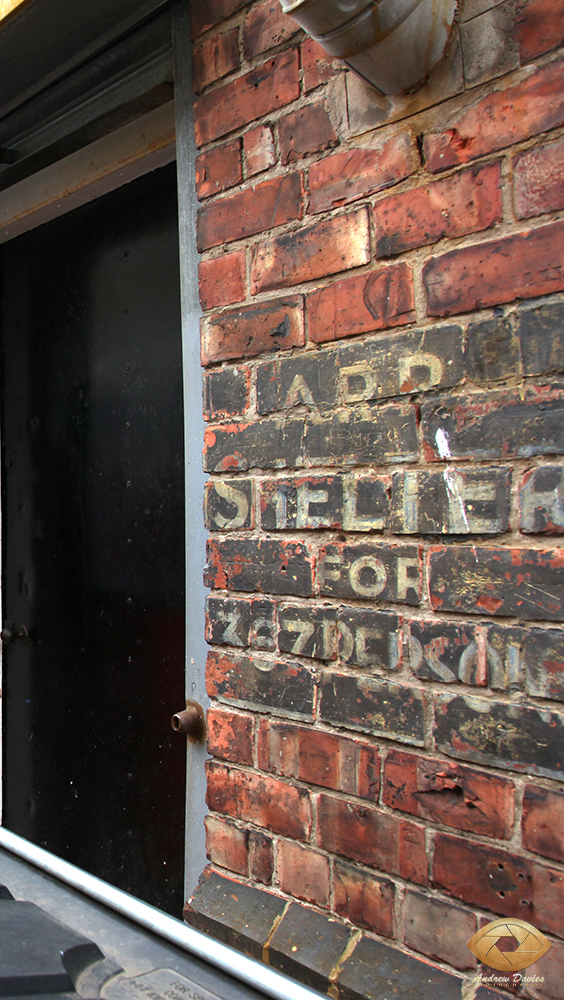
[{"x": 137, "y": 148}]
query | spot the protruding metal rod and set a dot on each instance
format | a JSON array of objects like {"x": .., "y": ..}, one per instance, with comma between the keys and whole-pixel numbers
[{"x": 191, "y": 722}]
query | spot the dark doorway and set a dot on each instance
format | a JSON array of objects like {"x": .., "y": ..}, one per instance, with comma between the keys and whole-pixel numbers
[{"x": 93, "y": 538}]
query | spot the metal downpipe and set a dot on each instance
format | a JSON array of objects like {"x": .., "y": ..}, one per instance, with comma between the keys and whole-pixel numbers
[{"x": 394, "y": 44}]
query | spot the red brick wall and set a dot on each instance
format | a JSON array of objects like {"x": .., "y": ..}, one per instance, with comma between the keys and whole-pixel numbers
[{"x": 386, "y": 431}]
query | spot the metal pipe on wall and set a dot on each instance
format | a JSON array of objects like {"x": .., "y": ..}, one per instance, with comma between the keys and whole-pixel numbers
[
  {"x": 246, "y": 969},
  {"x": 394, "y": 44}
]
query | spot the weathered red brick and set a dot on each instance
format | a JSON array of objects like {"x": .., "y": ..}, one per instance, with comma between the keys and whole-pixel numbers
[
  {"x": 222, "y": 280},
  {"x": 438, "y": 929},
  {"x": 206, "y": 13},
  {"x": 268, "y": 204},
  {"x": 499, "y": 881},
  {"x": 227, "y": 844},
  {"x": 546, "y": 977},
  {"x": 449, "y": 793},
  {"x": 468, "y": 202},
  {"x": 516, "y": 267},
  {"x": 540, "y": 25},
  {"x": 269, "y": 326},
  {"x": 265, "y": 27},
  {"x": 364, "y": 898},
  {"x": 355, "y": 173},
  {"x": 215, "y": 58},
  {"x": 260, "y": 154},
  {"x": 368, "y": 302},
  {"x": 303, "y": 872},
  {"x": 538, "y": 180},
  {"x": 218, "y": 169},
  {"x": 258, "y": 798},
  {"x": 320, "y": 758},
  {"x": 366, "y": 834},
  {"x": 317, "y": 65},
  {"x": 543, "y": 822},
  {"x": 327, "y": 247},
  {"x": 307, "y": 130},
  {"x": 230, "y": 735},
  {"x": 534, "y": 105},
  {"x": 258, "y": 93},
  {"x": 261, "y": 856}
]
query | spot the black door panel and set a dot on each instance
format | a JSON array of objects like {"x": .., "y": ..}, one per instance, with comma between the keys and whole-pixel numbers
[{"x": 93, "y": 535}]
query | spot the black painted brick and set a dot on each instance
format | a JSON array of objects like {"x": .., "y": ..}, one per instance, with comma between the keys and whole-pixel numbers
[
  {"x": 307, "y": 945},
  {"x": 373, "y": 705},
  {"x": 375, "y": 369},
  {"x": 541, "y": 333},
  {"x": 506, "y": 424},
  {"x": 309, "y": 380},
  {"x": 445, "y": 651},
  {"x": 370, "y": 639},
  {"x": 376, "y": 971},
  {"x": 370, "y": 570},
  {"x": 511, "y": 736},
  {"x": 302, "y": 503},
  {"x": 541, "y": 500},
  {"x": 226, "y": 393},
  {"x": 504, "y": 656},
  {"x": 351, "y": 502},
  {"x": 414, "y": 361},
  {"x": 544, "y": 663},
  {"x": 237, "y": 914},
  {"x": 265, "y": 565},
  {"x": 250, "y": 682},
  {"x": 492, "y": 350},
  {"x": 240, "y": 622},
  {"x": 267, "y": 444},
  {"x": 228, "y": 505},
  {"x": 528, "y": 583},
  {"x": 365, "y": 434},
  {"x": 310, "y": 631},
  {"x": 456, "y": 501}
]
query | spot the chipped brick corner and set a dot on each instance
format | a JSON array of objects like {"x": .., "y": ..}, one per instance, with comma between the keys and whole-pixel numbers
[{"x": 381, "y": 282}]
